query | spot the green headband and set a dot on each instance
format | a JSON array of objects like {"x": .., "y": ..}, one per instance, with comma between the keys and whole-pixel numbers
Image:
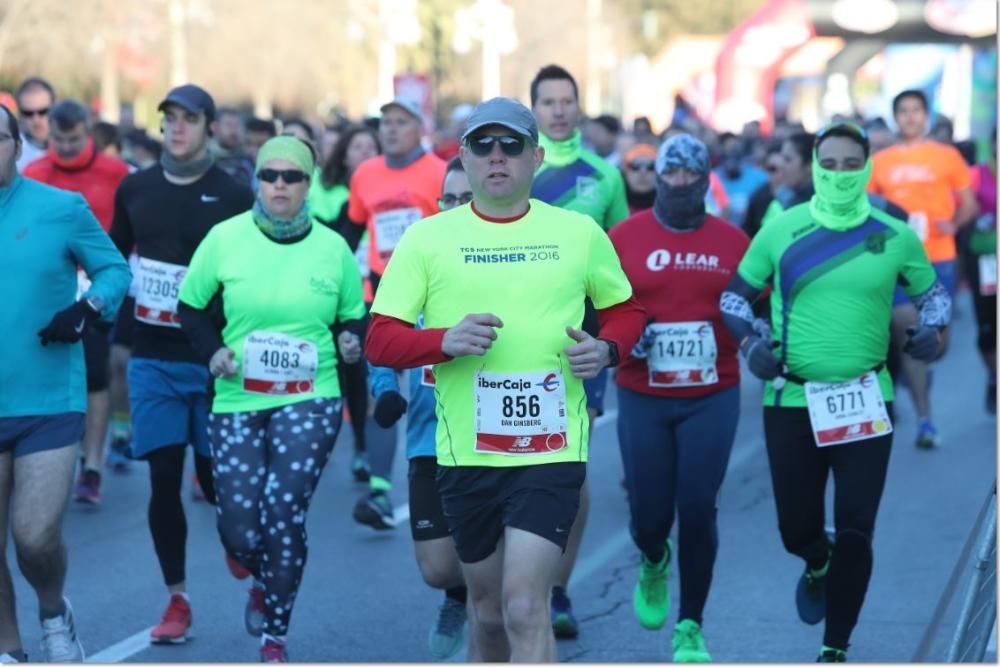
[{"x": 288, "y": 148}]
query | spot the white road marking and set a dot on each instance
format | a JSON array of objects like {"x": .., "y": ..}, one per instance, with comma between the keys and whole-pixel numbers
[{"x": 124, "y": 649}]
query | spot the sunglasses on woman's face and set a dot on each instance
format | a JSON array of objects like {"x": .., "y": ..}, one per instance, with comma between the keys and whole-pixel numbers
[
  {"x": 642, "y": 166},
  {"x": 289, "y": 176},
  {"x": 481, "y": 146}
]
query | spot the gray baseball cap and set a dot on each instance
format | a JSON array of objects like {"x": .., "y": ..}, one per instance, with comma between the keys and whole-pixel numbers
[
  {"x": 409, "y": 106},
  {"x": 506, "y": 112},
  {"x": 191, "y": 98}
]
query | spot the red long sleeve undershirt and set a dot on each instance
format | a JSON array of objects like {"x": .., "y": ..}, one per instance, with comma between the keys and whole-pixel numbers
[{"x": 394, "y": 343}]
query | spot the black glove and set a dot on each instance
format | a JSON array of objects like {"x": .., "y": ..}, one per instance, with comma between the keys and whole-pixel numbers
[
  {"x": 389, "y": 407},
  {"x": 760, "y": 358},
  {"x": 922, "y": 343},
  {"x": 68, "y": 325}
]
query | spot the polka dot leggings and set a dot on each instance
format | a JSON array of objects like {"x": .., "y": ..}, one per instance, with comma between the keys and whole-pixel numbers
[{"x": 266, "y": 465}]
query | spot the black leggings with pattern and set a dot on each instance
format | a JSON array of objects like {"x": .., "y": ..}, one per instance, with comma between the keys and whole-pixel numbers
[{"x": 267, "y": 464}]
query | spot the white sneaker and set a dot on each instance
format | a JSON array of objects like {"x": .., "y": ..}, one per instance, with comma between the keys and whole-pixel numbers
[
  {"x": 9, "y": 659},
  {"x": 59, "y": 641}
]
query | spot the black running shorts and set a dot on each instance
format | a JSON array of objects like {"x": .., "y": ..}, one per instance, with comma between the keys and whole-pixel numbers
[
  {"x": 427, "y": 520},
  {"x": 480, "y": 501}
]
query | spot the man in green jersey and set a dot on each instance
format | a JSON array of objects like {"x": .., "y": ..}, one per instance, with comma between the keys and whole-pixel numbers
[
  {"x": 501, "y": 284},
  {"x": 833, "y": 264},
  {"x": 576, "y": 180}
]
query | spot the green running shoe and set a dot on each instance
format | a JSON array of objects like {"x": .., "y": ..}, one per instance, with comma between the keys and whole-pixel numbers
[
  {"x": 651, "y": 599},
  {"x": 827, "y": 654},
  {"x": 689, "y": 643}
]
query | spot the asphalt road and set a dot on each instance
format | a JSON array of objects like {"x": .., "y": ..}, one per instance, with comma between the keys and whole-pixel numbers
[{"x": 363, "y": 599}]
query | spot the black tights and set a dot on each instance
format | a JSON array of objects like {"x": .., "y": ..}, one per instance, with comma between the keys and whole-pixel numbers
[
  {"x": 799, "y": 471},
  {"x": 354, "y": 383},
  {"x": 166, "y": 513}
]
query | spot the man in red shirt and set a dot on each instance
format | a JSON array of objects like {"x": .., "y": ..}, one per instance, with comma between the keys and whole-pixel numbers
[
  {"x": 678, "y": 391},
  {"x": 73, "y": 163}
]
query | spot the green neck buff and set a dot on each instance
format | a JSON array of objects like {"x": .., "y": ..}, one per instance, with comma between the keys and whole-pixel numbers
[
  {"x": 561, "y": 153},
  {"x": 840, "y": 201}
]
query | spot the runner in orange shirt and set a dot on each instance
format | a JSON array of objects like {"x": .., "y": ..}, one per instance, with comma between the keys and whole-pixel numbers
[
  {"x": 388, "y": 193},
  {"x": 932, "y": 183},
  {"x": 392, "y": 191}
]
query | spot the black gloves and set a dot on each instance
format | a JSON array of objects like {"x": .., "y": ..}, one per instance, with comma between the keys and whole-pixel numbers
[
  {"x": 68, "y": 325},
  {"x": 760, "y": 358},
  {"x": 389, "y": 407},
  {"x": 922, "y": 343}
]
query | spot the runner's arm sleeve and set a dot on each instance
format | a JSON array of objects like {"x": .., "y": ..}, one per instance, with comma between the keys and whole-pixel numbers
[
  {"x": 381, "y": 380},
  {"x": 397, "y": 344},
  {"x": 934, "y": 306},
  {"x": 622, "y": 324},
  {"x": 737, "y": 312},
  {"x": 121, "y": 226},
  {"x": 92, "y": 249},
  {"x": 198, "y": 326}
]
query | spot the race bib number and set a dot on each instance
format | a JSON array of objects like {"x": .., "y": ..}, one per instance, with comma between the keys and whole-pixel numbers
[
  {"x": 427, "y": 378},
  {"x": 987, "y": 275},
  {"x": 156, "y": 300},
  {"x": 82, "y": 284},
  {"x": 683, "y": 355},
  {"x": 843, "y": 412},
  {"x": 520, "y": 414},
  {"x": 278, "y": 364},
  {"x": 390, "y": 225},
  {"x": 918, "y": 223}
]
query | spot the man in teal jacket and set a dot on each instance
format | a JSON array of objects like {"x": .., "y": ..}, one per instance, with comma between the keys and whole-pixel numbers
[
  {"x": 577, "y": 180},
  {"x": 45, "y": 234}
]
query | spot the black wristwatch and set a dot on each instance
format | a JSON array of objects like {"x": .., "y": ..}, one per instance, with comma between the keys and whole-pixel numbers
[{"x": 612, "y": 352}]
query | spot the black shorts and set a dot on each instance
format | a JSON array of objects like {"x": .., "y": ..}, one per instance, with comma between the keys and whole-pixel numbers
[
  {"x": 125, "y": 324},
  {"x": 97, "y": 357},
  {"x": 427, "y": 520},
  {"x": 480, "y": 501}
]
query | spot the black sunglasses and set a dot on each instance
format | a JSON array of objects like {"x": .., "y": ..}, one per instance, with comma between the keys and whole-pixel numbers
[
  {"x": 448, "y": 201},
  {"x": 28, "y": 113},
  {"x": 642, "y": 166},
  {"x": 511, "y": 145},
  {"x": 289, "y": 176}
]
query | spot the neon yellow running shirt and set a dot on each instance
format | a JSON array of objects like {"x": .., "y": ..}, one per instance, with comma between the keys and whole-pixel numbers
[{"x": 519, "y": 404}]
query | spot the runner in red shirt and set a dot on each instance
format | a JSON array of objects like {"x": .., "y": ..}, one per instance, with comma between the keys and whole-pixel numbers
[
  {"x": 678, "y": 392},
  {"x": 73, "y": 163}
]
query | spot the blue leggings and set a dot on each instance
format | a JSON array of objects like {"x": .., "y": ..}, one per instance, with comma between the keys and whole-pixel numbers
[{"x": 675, "y": 452}]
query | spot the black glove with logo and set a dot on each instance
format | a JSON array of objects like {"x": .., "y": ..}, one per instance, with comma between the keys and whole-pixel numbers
[
  {"x": 389, "y": 407},
  {"x": 760, "y": 358},
  {"x": 922, "y": 343},
  {"x": 68, "y": 325}
]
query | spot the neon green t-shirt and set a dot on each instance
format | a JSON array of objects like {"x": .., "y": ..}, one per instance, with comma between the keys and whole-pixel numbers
[
  {"x": 832, "y": 297},
  {"x": 326, "y": 203},
  {"x": 279, "y": 301},
  {"x": 579, "y": 180},
  {"x": 519, "y": 404}
]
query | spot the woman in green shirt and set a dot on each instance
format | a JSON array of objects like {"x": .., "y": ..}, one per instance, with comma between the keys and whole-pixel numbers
[{"x": 288, "y": 288}]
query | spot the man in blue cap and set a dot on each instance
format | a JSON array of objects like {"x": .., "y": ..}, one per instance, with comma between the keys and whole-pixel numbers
[
  {"x": 499, "y": 282},
  {"x": 164, "y": 212}
]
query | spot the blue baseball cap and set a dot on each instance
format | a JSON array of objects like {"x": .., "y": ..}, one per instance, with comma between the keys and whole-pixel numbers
[{"x": 191, "y": 98}]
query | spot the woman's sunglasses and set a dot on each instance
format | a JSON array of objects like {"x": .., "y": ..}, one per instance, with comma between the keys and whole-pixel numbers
[{"x": 289, "y": 176}]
